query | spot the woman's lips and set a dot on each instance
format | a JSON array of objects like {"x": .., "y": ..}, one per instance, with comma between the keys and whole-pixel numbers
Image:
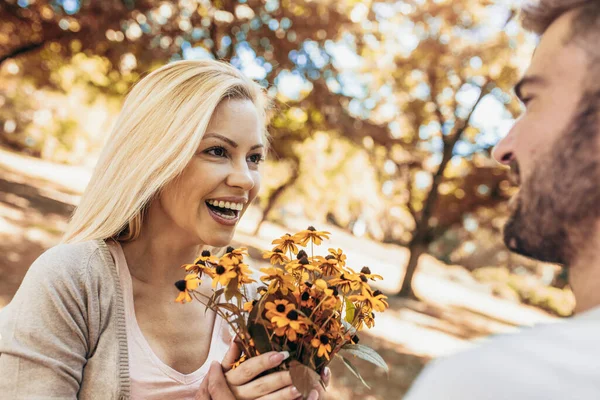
[{"x": 221, "y": 220}]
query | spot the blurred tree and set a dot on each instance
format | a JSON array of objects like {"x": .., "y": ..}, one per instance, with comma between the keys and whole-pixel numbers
[{"x": 433, "y": 72}]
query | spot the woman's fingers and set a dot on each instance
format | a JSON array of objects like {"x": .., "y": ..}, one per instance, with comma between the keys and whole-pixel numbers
[
  {"x": 268, "y": 385},
  {"x": 233, "y": 354},
  {"x": 313, "y": 395},
  {"x": 214, "y": 386},
  {"x": 287, "y": 393},
  {"x": 254, "y": 366},
  {"x": 326, "y": 376},
  {"x": 217, "y": 384}
]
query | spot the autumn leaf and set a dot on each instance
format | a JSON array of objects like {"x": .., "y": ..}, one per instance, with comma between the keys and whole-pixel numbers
[{"x": 304, "y": 378}]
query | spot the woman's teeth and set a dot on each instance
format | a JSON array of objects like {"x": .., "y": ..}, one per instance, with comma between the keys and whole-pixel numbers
[{"x": 226, "y": 204}]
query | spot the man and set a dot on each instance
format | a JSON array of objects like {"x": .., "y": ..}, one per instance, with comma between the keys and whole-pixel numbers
[{"x": 554, "y": 152}]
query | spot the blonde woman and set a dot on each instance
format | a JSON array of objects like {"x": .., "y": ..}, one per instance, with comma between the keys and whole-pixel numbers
[{"x": 95, "y": 316}]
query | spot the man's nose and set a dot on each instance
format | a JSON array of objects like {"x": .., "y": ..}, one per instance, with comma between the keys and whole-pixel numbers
[{"x": 504, "y": 151}]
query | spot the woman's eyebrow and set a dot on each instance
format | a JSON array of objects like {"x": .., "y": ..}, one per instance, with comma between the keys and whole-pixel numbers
[{"x": 229, "y": 141}]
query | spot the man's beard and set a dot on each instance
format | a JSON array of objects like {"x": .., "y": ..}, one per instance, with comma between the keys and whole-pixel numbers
[{"x": 558, "y": 205}]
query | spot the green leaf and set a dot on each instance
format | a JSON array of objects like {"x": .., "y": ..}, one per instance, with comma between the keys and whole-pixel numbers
[
  {"x": 304, "y": 378},
  {"x": 350, "y": 311},
  {"x": 366, "y": 353},
  {"x": 353, "y": 369}
]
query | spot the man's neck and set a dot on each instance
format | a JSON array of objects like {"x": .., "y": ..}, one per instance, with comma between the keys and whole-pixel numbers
[{"x": 584, "y": 278}]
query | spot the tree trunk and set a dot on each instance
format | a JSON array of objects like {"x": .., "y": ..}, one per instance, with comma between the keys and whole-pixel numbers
[
  {"x": 422, "y": 236},
  {"x": 275, "y": 196},
  {"x": 416, "y": 249}
]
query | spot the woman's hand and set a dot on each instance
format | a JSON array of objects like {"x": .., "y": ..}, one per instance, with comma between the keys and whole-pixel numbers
[{"x": 241, "y": 384}]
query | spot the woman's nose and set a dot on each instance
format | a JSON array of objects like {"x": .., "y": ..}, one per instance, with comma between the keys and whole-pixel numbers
[{"x": 241, "y": 177}]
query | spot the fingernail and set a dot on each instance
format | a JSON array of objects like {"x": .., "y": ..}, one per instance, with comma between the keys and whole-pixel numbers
[
  {"x": 327, "y": 372},
  {"x": 295, "y": 391},
  {"x": 313, "y": 395},
  {"x": 279, "y": 357}
]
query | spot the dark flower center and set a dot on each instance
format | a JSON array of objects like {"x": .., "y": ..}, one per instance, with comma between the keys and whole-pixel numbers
[
  {"x": 307, "y": 283},
  {"x": 280, "y": 308},
  {"x": 363, "y": 278},
  {"x": 335, "y": 291},
  {"x": 278, "y": 251},
  {"x": 220, "y": 270},
  {"x": 301, "y": 254},
  {"x": 343, "y": 277},
  {"x": 324, "y": 339},
  {"x": 355, "y": 339},
  {"x": 329, "y": 257},
  {"x": 366, "y": 270},
  {"x": 229, "y": 249},
  {"x": 205, "y": 253},
  {"x": 311, "y": 228},
  {"x": 304, "y": 261},
  {"x": 200, "y": 262},
  {"x": 181, "y": 285},
  {"x": 377, "y": 293},
  {"x": 292, "y": 315},
  {"x": 305, "y": 296}
]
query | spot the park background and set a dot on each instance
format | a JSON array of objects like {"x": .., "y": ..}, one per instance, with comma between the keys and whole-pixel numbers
[{"x": 385, "y": 116}]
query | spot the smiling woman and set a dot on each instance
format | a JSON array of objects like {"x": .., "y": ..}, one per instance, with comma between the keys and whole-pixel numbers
[{"x": 95, "y": 317}]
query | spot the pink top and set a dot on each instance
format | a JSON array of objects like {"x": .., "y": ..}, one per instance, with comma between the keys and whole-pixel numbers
[{"x": 150, "y": 377}]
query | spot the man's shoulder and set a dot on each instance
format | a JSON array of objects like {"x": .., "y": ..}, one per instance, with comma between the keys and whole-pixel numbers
[{"x": 515, "y": 364}]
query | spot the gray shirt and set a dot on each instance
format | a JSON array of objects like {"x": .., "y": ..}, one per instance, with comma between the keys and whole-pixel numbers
[
  {"x": 63, "y": 335},
  {"x": 550, "y": 361}
]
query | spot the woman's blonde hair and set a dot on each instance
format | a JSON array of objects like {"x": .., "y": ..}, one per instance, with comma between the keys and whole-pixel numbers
[{"x": 156, "y": 135}]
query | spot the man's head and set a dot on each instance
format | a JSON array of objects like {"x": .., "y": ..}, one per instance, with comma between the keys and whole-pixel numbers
[{"x": 554, "y": 147}]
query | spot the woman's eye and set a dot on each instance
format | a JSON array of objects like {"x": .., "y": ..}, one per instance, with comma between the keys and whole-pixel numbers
[
  {"x": 256, "y": 158},
  {"x": 217, "y": 152}
]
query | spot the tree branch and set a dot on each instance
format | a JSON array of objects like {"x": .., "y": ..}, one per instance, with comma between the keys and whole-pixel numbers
[{"x": 22, "y": 50}]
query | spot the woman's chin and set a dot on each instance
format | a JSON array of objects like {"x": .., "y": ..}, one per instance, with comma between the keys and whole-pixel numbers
[{"x": 219, "y": 241}]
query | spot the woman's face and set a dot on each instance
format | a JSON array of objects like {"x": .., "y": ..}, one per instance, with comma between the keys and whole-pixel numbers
[{"x": 215, "y": 189}]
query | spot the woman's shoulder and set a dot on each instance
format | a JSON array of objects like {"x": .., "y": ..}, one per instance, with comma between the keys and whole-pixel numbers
[{"x": 74, "y": 260}]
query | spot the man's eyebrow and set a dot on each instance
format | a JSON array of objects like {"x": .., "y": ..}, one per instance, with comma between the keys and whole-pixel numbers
[
  {"x": 528, "y": 80},
  {"x": 229, "y": 141}
]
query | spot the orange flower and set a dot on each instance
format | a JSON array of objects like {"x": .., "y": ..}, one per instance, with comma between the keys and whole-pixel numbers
[
  {"x": 368, "y": 319},
  {"x": 339, "y": 256},
  {"x": 371, "y": 300},
  {"x": 235, "y": 256},
  {"x": 222, "y": 276},
  {"x": 366, "y": 272},
  {"x": 276, "y": 257},
  {"x": 289, "y": 324},
  {"x": 322, "y": 342},
  {"x": 190, "y": 282},
  {"x": 346, "y": 282},
  {"x": 301, "y": 266},
  {"x": 202, "y": 264},
  {"x": 311, "y": 234},
  {"x": 286, "y": 243},
  {"x": 243, "y": 273},
  {"x": 249, "y": 305},
  {"x": 278, "y": 308},
  {"x": 330, "y": 266},
  {"x": 278, "y": 280}
]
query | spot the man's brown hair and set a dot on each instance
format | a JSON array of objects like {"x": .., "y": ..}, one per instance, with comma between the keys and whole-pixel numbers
[{"x": 538, "y": 15}]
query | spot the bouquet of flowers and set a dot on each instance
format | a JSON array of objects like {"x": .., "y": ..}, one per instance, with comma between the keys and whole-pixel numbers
[{"x": 309, "y": 305}]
